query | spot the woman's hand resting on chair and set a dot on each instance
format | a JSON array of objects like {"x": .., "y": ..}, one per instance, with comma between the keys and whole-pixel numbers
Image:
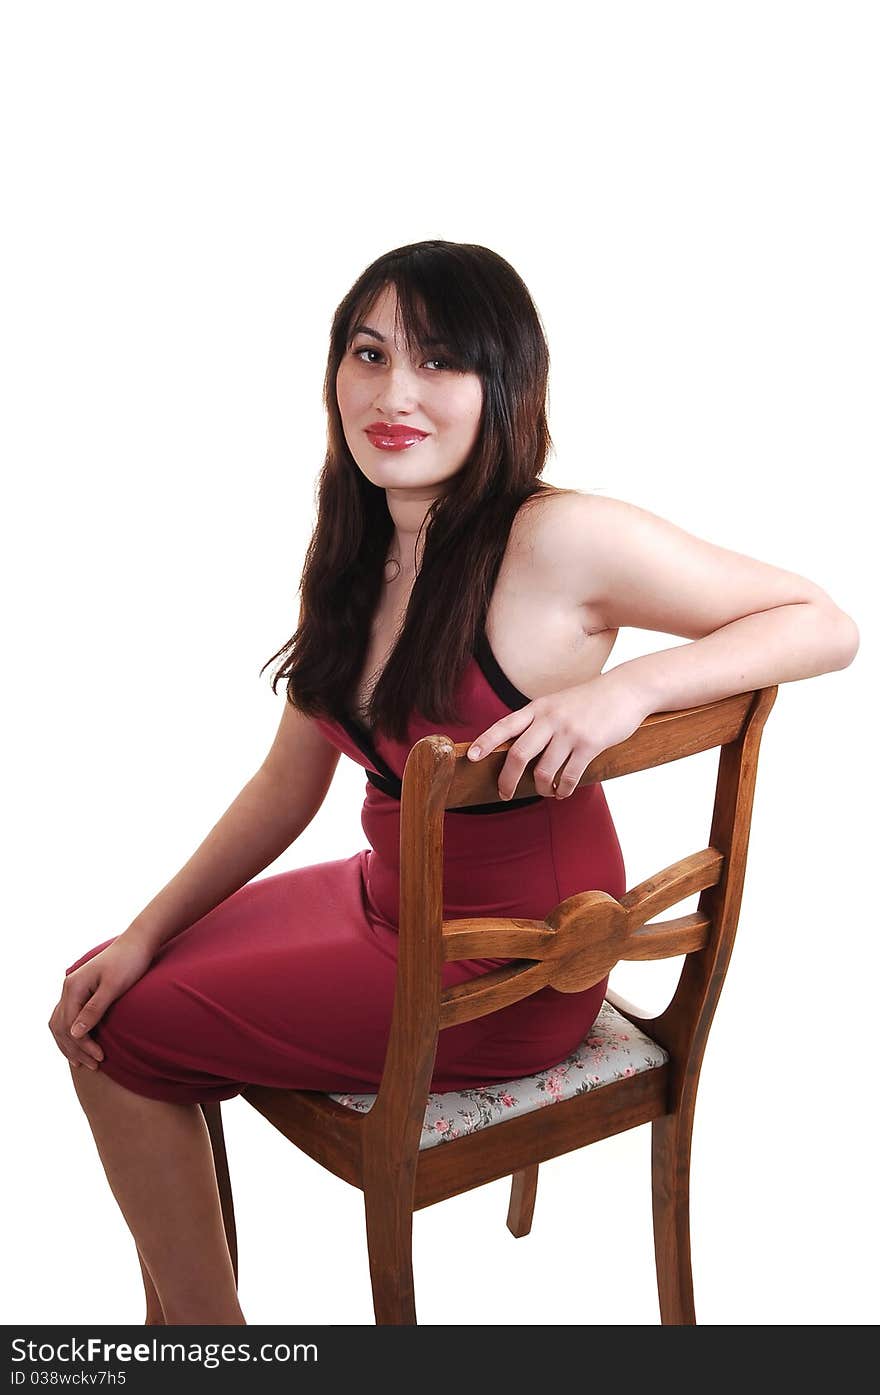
[
  {"x": 568, "y": 729},
  {"x": 88, "y": 992}
]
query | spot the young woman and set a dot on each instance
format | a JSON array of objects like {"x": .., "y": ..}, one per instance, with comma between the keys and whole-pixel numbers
[{"x": 448, "y": 589}]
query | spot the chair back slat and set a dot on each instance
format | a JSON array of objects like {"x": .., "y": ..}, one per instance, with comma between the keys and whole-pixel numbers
[
  {"x": 500, "y": 987},
  {"x": 666, "y": 939},
  {"x": 675, "y": 883},
  {"x": 580, "y": 941},
  {"x": 492, "y": 937}
]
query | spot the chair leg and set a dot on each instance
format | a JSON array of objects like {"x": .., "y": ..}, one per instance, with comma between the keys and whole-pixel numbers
[
  {"x": 214, "y": 1121},
  {"x": 389, "y": 1243},
  {"x": 670, "y": 1183},
  {"x": 523, "y": 1189}
]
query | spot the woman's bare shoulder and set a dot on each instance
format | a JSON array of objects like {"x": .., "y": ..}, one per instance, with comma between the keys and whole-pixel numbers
[
  {"x": 544, "y": 503},
  {"x": 555, "y": 535},
  {"x": 550, "y": 514}
]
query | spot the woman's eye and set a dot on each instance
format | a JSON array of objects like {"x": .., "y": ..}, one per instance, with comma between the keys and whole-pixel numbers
[{"x": 366, "y": 350}]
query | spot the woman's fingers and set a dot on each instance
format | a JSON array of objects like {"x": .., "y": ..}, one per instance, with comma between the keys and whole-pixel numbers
[
  {"x": 90, "y": 1047},
  {"x": 83, "y": 1043},
  {"x": 88, "y": 992},
  {"x": 79, "y": 1049},
  {"x": 72, "y": 1049},
  {"x": 83, "y": 1021},
  {"x": 81, "y": 1012}
]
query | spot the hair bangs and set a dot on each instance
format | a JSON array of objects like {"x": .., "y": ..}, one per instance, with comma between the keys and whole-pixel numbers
[{"x": 431, "y": 313}]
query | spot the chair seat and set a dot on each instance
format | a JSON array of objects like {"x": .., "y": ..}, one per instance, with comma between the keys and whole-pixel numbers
[{"x": 612, "y": 1050}]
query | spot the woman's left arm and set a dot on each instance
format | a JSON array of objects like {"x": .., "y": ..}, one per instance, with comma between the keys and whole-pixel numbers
[
  {"x": 799, "y": 639},
  {"x": 752, "y": 626}
]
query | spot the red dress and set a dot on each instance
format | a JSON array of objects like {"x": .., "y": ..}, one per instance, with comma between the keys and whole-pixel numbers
[{"x": 290, "y": 980}]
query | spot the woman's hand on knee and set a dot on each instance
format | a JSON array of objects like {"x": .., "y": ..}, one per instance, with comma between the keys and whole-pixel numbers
[{"x": 87, "y": 993}]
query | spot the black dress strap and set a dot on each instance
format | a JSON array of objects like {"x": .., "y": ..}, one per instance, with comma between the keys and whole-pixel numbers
[{"x": 494, "y": 674}]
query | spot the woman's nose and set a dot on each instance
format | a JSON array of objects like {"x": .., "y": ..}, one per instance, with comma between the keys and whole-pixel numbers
[{"x": 397, "y": 391}]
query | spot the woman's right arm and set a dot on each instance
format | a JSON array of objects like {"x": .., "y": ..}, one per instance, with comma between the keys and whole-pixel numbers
[
  {"x": 269, "y": 813},
  {"x": 265, "y": 818}
]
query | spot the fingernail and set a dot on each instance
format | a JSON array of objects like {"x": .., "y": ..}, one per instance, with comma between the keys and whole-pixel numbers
[
  {"x": 474, "y": 752},
  {"x": 77, "y": 1029}
]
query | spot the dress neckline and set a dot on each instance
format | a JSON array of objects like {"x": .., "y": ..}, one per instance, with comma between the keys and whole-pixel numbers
[
  {"x": 364, "y": 736},
  {"x": 390, "y": 783}
]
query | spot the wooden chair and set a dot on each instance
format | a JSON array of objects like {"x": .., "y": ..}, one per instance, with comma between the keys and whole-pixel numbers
[{"x": 382, "y": 1143}]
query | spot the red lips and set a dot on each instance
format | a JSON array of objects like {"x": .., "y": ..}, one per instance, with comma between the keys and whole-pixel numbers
[{"x": 386, "y": 430}]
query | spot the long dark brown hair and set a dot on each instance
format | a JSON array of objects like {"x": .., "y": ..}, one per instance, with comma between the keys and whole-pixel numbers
[{"x": 473, "y": 302}]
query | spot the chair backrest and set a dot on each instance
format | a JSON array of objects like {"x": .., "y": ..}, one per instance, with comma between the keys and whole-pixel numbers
[{"x": 583, "y": 937}]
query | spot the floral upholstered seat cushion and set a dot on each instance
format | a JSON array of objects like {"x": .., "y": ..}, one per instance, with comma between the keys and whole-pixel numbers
[{"x": 612, "y": 1050}]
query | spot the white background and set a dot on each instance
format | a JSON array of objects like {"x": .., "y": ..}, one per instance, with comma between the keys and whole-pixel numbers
[{"x": 690, "y": 193}]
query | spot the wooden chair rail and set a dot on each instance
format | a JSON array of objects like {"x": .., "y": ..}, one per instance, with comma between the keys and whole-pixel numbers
[
  {"x": 549, "y": 1132},
  {"x": 580, "y": 941},
  {"x": 662, "y": 737}
]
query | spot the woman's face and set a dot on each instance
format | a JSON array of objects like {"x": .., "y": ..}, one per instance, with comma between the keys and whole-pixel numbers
[{"x": 378, "y": 383}]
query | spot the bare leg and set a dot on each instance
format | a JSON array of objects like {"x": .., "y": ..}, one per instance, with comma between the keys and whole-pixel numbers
[
  {"x": 155, "y": 1315},
  {"x": 158, "y": 1161}
]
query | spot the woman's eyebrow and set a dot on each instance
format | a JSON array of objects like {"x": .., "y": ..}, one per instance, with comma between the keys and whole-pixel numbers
[{"x": 429, "y": 343}]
